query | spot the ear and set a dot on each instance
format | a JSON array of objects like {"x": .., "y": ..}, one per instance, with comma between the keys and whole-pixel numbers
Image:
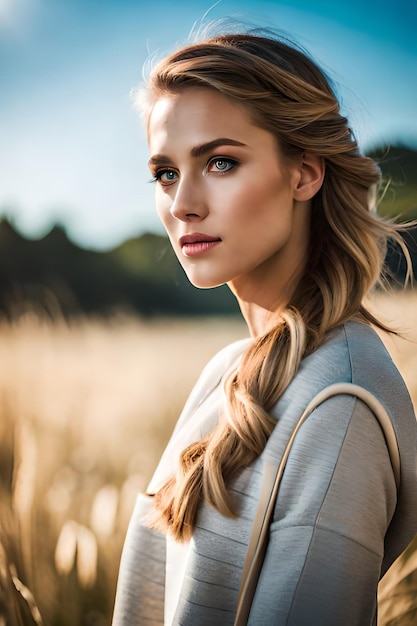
[{"x": 311, "y": 175}]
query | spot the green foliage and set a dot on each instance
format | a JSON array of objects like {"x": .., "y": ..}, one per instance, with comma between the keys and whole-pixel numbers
[
  {"x": 149, "y": 255},
  {"x": 399, "y": 181},
  {"x": 56, "y": 276}
]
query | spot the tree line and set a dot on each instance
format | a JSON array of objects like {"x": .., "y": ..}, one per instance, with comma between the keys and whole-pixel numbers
[{"x": 142, "y": 275}]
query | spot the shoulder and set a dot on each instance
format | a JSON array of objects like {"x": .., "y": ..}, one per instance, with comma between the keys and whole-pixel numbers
[
  {"x": 227, "y": 356},
  {"x": 373, "y": 368},
  {"x": 352, "y": 353},
  {"x": 368, "y": 355},
  {"x": 213, "y": 373},
  {"x": 221, "y": 363}
]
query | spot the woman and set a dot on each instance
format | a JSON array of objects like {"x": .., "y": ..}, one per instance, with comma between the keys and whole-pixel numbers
[{"x": 260, "y": 185}]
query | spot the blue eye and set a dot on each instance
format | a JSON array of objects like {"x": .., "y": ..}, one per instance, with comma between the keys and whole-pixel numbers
[{"x": 165, "y": 176}]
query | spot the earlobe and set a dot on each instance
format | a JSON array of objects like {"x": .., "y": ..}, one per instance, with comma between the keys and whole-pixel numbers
[{"x": 311, "y": 175}]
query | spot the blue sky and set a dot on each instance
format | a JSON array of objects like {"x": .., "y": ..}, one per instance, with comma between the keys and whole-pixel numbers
[{"x": 73, "y": 151}]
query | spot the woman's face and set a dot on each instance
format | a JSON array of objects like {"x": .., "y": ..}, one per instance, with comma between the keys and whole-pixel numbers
[{"x": 224, "y": 194}]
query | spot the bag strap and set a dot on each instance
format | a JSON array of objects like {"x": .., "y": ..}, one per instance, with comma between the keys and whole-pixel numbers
[{"x": 271, "y": 480}]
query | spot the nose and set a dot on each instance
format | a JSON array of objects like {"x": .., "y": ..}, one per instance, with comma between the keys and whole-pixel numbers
[{"x": 189, "y": 203}]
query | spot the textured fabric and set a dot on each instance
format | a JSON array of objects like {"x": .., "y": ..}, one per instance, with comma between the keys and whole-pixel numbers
[
  {"x": 175, "y": 566},
  {"x": 141, "y": 584},
  {"x": 338, "y": 522}
]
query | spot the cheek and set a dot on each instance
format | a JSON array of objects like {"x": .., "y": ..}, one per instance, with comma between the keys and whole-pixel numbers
[
  {"x": 237, "y": 200},
  {"x": 258, "y": 203},
  {"x": 163, "y": 207}
]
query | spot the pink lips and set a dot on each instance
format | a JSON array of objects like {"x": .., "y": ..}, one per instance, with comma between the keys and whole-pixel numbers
[{"x": 196, "y": 243}]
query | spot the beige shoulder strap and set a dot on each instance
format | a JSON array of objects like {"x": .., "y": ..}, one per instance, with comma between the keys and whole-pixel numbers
[{"x": 272, "y": 478}]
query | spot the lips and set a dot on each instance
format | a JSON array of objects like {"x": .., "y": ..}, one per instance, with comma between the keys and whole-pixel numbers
[
  {"x": 197, "y": 243},
  {"x": 197, "y": 238}
]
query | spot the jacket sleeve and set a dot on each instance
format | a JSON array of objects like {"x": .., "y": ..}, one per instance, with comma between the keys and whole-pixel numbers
[
  {"x": 140, "y": 587},
  {"x": 335, "y": 503}
]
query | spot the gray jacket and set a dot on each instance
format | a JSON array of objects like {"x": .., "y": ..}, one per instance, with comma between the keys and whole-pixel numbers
[{"x": 338, "y": 524}]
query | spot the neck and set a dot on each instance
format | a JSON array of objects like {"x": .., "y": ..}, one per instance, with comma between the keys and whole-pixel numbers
[
  {"x": 262, "y": 299},
  {"x": 257, "y": 318},
  {"x": 266, "y": 291}
]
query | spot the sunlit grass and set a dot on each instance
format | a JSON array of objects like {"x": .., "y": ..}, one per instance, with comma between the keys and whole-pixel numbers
[
  {"x": 86, "y": 411},
  {"x": 87, "y": 408}
]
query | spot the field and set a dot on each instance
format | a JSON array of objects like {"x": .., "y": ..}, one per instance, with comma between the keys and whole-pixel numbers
[{"x": 86, "y": 410}]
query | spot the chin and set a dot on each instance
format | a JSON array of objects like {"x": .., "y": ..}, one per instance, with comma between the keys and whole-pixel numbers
[{"x": 204, "y": 283}]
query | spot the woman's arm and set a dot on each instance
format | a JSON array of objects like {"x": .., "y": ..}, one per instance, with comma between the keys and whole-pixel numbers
[
  {"x": 335, "y": 503},
  {"x": 140, "y": 587}
]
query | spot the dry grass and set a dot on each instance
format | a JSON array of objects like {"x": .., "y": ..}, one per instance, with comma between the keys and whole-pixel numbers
[
  {"x": 86, "y": 411},
  {"x": 398, "y": 589}
]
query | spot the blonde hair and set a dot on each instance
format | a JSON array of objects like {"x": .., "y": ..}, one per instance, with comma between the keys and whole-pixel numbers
[{"x": 288, "y": 95}]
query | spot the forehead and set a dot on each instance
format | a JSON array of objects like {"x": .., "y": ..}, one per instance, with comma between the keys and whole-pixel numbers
[{"x": 196, "y": 114}]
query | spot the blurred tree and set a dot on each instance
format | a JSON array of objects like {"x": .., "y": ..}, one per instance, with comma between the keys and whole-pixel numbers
[
  {"x": 57, "y": 277},
  {"x": 143, "y": 275},
  {"x": 399, "y": 189},
  {"x": 398, "y": 200}
]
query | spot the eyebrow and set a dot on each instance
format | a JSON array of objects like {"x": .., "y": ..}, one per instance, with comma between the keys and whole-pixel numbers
[
  {"x": 206, "y": 147},
  {"x": 197, "y": 151}
]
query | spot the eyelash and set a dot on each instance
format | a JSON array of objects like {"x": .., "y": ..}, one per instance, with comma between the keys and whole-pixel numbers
[
  {"x": 231, "y": 162},
  {"x": 159, "y": 173}
]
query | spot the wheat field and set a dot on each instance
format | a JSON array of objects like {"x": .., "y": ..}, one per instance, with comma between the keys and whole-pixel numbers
[{"x": 87, "y": 407}]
